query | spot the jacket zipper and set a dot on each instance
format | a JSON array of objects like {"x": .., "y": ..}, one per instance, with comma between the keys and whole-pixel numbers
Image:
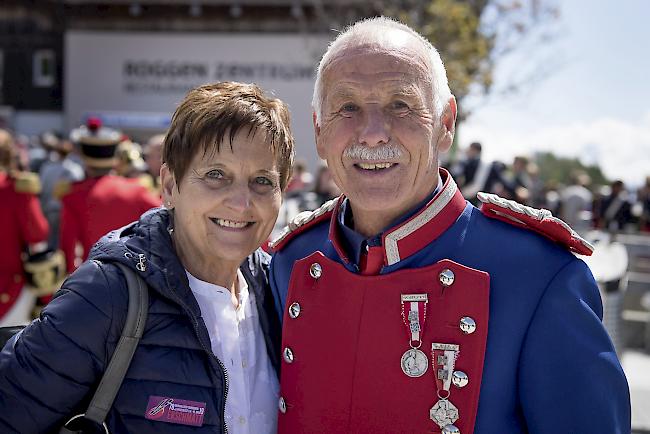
[
  {"x": 142, "y": 266},
  {"x": 223, "y": 368}
]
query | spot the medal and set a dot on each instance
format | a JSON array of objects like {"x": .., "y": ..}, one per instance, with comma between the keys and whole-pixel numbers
[
  {"x": 414, "y": 362},
  {"x": 443, "y": 360},
  {"x": 444, "y": 413}
]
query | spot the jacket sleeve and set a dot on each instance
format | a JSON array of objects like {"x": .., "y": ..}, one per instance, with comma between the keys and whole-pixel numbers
[
  {"x": 570, "y": 379},
  {"x": 52, "y": 367},
  {"x": 33, "y": 225}
]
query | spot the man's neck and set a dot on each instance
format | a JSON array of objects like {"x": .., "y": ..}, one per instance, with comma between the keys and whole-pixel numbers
[{"x": 371, "y": 223}]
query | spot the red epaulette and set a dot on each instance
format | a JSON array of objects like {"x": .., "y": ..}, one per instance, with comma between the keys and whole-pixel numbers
[
  {"x": 302, "y": 222},
  {"x": 538, "y": 220}
]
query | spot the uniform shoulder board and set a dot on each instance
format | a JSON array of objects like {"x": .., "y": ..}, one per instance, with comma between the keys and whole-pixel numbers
[
  {"x": 301, "y": 222},
  {"x": 61, "y": 188},
  {"x": 538, "y": 220},
  {"x": 27, "y": 182}
]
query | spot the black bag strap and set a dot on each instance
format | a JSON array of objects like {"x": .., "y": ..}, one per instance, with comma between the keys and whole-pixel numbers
[{"x": 111, "y": 381}]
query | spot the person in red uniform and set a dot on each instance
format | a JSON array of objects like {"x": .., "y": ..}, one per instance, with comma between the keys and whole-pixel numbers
[
  {"x": 103, "y": 201},
  {"x": 23, "y": 228}
]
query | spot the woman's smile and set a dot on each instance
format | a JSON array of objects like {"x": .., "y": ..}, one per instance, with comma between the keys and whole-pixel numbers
[{"x": 231, "y": 224}]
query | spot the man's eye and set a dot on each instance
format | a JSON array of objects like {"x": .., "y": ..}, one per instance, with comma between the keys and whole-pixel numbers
[
  {"x": 399, "y": 105},
  {"x": 214, "y": 174},
  {"x": 263, "y": 180},
  {"x": 349, "y": 108}
]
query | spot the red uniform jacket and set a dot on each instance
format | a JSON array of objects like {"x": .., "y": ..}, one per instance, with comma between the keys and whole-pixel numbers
[
  {"x": 96, "y": 206},
  {"x": 21, "y": 223}
]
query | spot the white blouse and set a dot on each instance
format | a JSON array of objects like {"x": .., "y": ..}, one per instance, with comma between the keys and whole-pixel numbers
[{"x": 237, "y": 340}]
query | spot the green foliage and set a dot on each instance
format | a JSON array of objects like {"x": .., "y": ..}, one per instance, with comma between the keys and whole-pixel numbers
[
  {"x": 472, "y": 36},
  {"x": 454, "y": 28},
  {"x": 558, "y": 170}
]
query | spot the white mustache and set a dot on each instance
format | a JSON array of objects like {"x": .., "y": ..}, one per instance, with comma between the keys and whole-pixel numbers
[{"x": 379, "y": 153}]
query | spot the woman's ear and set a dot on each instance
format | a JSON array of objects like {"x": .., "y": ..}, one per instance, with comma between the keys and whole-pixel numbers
[{"x": 168, "y": 184}]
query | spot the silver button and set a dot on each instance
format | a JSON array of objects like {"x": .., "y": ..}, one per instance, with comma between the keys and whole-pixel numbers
[
  {"x": 288, "y": 355},
  {"x": 467, "y": 325},
  {"x": 315, "y": 270},
  {"x": 450, "y": 429},
  {"x": 294, "y": 310},
  {"x": 282, "y": 405},
  {"x": 447, "y": 277},
  {"x": 459, "y": 379}
]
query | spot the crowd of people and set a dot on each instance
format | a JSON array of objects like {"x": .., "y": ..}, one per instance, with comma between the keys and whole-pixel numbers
[
  {"x": 64, "y": 193},
  {"x": 579, "y": 202}
]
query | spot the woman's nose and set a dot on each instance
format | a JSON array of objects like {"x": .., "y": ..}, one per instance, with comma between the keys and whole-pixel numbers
[{"x": 239, "y": 197}]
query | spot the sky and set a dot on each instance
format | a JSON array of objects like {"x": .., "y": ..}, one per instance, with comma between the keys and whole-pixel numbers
[{"x": 594, "y": 104}]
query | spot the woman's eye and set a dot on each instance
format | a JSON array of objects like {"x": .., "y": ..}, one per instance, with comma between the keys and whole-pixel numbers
[{"x": 214, "y": 174}]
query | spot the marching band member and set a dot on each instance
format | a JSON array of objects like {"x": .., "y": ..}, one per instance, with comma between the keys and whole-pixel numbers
[
  {"x": 23, "y": 230},
  {"x": 101, "y": 202}
]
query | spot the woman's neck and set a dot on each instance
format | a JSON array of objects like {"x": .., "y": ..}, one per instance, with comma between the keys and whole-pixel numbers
[{"x": 221, "y": 273}]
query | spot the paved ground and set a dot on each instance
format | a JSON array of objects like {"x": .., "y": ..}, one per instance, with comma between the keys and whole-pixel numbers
[{"x": 637, "y": 368}]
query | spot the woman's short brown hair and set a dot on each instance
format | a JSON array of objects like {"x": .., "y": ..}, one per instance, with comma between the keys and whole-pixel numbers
[{"x": 210, "y": 112}]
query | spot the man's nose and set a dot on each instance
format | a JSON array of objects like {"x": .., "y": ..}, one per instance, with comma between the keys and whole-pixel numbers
[{"x": 374, "y": 129}]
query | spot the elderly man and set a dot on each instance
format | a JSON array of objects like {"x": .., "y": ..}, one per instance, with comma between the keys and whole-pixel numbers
[{"x": 405, "y": 309}]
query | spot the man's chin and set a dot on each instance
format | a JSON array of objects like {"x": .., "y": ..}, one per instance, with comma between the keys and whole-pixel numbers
[{"x": 378, "y": 202}]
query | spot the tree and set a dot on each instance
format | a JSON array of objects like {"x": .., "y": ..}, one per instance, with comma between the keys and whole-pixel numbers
[{"x": 472, "y": 36}]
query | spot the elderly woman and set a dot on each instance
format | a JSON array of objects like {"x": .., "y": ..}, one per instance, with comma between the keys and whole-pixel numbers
[{"x": 211, "y": 338}]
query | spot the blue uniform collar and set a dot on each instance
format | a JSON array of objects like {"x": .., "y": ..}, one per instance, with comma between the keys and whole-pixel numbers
[{"x": 355, "y": 243}]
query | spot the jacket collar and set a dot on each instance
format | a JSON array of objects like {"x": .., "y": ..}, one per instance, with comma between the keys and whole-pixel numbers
[
  {"x": 165, "y": 274},
  {"x": 410, "y": 236}
]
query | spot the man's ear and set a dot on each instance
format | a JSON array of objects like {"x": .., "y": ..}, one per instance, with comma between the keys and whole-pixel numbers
[
  {"x": 168, "y": 184},
  {"x": 448, "y": 125},
  {"x": 319, "y": 147}
]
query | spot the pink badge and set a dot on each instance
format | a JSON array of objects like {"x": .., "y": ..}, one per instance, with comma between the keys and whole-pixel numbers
[{"x": 175, "y": 410}]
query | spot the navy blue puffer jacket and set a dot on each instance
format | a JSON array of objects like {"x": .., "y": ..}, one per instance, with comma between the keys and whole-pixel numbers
[{"x": 50, "y": 371}]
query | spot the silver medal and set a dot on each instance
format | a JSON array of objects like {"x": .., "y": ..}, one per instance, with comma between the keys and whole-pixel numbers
[
  {"x": 414, "y": 363},
  {"x": 444, "y": 413}
]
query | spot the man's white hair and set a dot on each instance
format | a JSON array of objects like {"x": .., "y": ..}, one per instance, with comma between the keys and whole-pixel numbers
[{"x": 376, "y": 31}]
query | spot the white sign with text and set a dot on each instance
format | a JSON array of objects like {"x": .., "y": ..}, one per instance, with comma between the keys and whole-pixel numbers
[{"x": 134, "y": 81}]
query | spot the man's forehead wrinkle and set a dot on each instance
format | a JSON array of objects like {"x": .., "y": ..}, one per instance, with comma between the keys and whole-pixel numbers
[{"x": 398, "y": 86}]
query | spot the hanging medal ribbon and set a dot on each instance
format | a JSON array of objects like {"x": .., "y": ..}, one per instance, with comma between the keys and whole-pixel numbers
[
  {"x": 414, "y": 362},
  {"x": 443, "y": 361}
]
